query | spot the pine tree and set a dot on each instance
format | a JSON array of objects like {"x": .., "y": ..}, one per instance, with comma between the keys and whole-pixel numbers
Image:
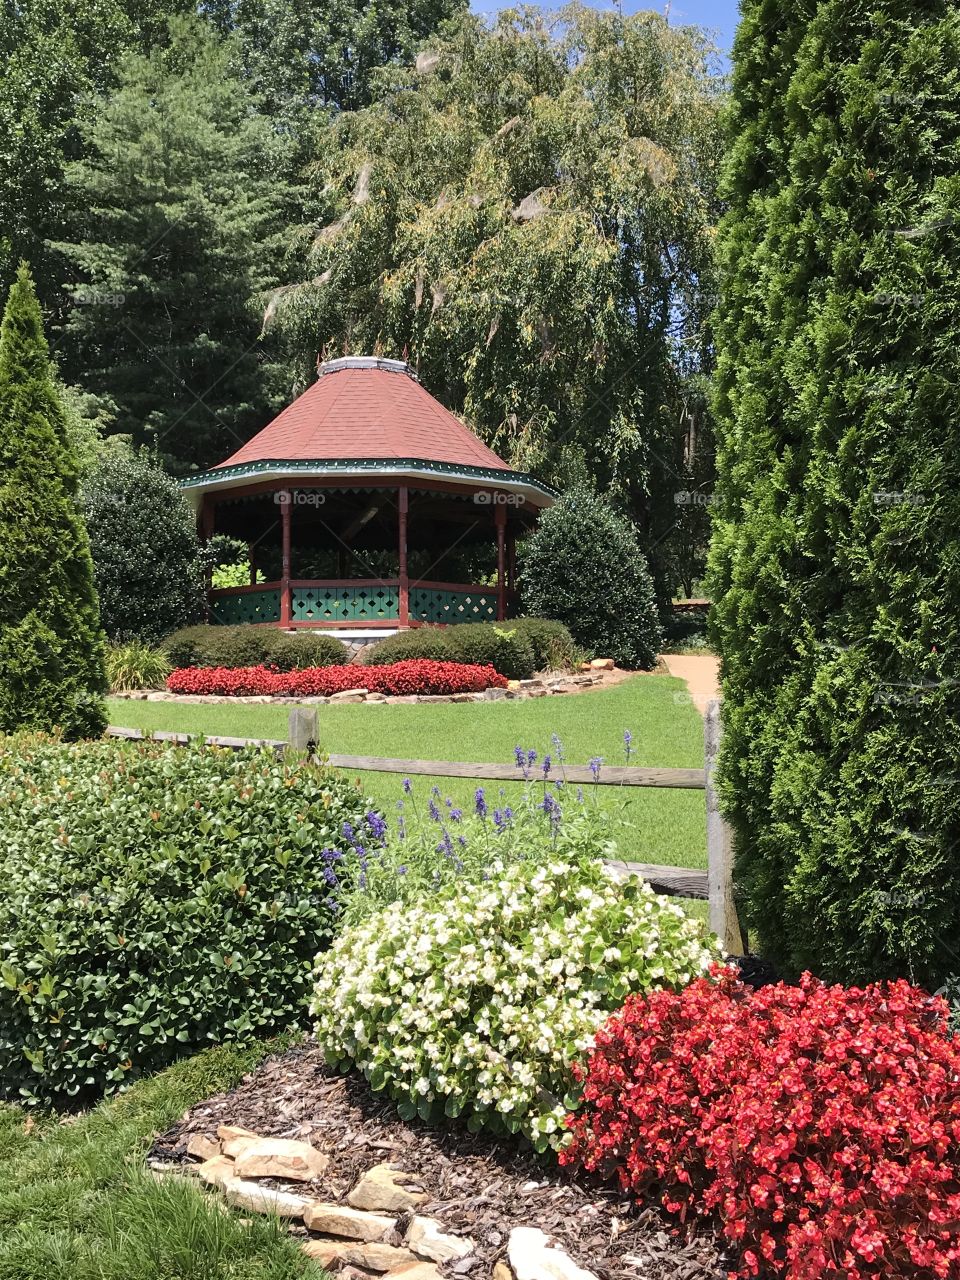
[
  {"x": 51, "y": 646},
  {"x": 836, "y": 556}
]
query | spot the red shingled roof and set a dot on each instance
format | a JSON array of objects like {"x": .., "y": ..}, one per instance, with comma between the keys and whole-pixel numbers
[{"x": 365, "y": 408}]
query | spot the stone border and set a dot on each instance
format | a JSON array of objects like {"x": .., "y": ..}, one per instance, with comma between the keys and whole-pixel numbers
[
  {"x": 600, "y": 671},
  {"x": 377, "y": 1229}
]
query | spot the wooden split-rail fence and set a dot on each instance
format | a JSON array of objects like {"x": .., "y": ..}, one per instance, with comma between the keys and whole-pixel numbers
[{"x": 715, "y": 885}]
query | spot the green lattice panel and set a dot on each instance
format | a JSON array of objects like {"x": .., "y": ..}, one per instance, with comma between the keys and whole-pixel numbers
[
  {"x": 247, "y": 606},
  {"x": 429, "y": 604},
  {"x": 346, "y": 604}
]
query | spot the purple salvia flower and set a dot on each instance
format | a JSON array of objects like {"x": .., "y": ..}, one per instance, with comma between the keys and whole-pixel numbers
[
  {"x": 407, "y": 785},
  {"x": 433, "y": 810},
  {"x": 628, "y": 744},
  {"x": 378, "y": 828},
  {"x": 481, "y": 802},
  {"x": 547, "y": 762},
  {"x": 595, "y": 765}
]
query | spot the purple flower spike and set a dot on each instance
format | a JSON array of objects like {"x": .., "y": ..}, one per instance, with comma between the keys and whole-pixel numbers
[
  {"x": 520, "y": 756},
  {"x": 378, "y": 828},
  {"x": 595, "y": 765},
  {"x": 547, "y": 762},
  {"x": 433, "y": 810},
  {"x": 407, "y": 785},
  {"x": 628, "y": 744},
  {"x": 481, "y": 802}
]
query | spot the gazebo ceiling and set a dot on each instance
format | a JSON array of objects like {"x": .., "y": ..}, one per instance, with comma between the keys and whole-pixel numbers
[{"x": 366, "y": 416}]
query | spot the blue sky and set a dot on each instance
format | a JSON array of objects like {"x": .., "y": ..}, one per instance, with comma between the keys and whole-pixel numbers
[{"x": 719, "y": 16}]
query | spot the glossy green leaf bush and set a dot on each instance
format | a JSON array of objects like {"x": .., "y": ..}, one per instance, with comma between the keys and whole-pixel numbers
[
  {"x": 252, "y": 646},
  {"x": 156, "y": 900},
  {"x": 479, "y": 1003}
]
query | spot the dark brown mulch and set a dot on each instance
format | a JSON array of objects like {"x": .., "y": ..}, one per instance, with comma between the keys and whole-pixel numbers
[{"x": 477, "y": 1185}]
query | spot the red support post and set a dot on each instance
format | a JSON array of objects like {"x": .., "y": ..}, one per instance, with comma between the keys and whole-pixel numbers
[
  {"x": 286, "y": 508},
  {"x": 500, "y": 515},
  {"x": 403, "y": 506}
]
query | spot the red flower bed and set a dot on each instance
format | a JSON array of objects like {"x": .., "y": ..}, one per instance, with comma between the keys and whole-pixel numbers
[
  {"x": 820, "y": 1125},
  {"x": 419, "y": 675}
]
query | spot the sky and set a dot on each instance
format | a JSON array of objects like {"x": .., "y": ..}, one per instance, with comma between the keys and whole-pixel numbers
[{"x": 719, "y": 16}]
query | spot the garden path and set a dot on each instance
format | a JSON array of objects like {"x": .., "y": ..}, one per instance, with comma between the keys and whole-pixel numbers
[{"x": 700, "y": 673}]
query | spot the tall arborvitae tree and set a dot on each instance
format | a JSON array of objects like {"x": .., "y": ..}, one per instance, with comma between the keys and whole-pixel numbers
[
  {"x": 51, "y": 646},
  {"x": 836, "y": 558}
]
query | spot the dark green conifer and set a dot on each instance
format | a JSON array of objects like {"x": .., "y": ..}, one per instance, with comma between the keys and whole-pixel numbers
[{"x": 51, "y": 646}]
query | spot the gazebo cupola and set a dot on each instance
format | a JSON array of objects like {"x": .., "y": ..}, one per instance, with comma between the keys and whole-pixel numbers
[{"x": 366, "y": 504}]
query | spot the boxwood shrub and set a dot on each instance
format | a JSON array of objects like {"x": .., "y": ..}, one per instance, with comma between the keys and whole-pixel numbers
[
  {"x": 156, "y": 900},
  {"x": 249, "y": 646},
  {"x": 516, "y": 648}
]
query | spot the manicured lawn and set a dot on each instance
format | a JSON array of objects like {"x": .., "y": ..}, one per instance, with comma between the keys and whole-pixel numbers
[
  {"x": 76, "y": 1202},
  {"x": 649, "y": 825}
]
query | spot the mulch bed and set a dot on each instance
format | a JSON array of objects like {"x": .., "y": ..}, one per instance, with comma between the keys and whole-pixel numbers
[{"x": 478, "y": 1186}]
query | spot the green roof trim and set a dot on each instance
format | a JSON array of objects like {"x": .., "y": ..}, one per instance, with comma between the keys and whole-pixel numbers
[{"x": 364, "y": 465}]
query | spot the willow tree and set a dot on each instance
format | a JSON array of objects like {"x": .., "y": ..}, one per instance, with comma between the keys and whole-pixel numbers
[
  {"x": 526, "y": 214},
  {"x": 836, "y": 557}
]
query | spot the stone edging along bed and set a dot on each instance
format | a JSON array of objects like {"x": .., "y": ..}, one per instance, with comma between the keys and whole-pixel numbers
[
  {"x": 367, "y": 1194},
  {"x": 602, "y": 671}
]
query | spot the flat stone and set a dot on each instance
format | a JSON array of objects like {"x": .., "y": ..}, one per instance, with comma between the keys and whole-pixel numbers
[
  {"x": 280, "y": 1158},
  {"x": 217, "y": 1172},
  {"x": 382, "y": 1188},
  {"x": 233, "y": 1138},
  {"x": 375, "y": 697},
  {"x": 417, "y": 1271},
  {"x": 427, "y": 1239},
  {"x": 494, "y": 695},
  {"x": 354, "y": 1224},
  {"x": 532, "y": 1258},
  {"x": 462, "y": 697},
  {"x": 373, "y": 1256},
  {"x": 349, "y": 695},
  {"x": 529, "y": 684},
  {"x": 514, "y": 684},
  {"x": 539, "y": 692},
  {"x": 602, "y": 664},
  {"x": 501, "y": 1272},
  {"x": 408, "y": 698},
  {"x": 250, "y": 1195},
  {"x": 202, "y": 1147}
]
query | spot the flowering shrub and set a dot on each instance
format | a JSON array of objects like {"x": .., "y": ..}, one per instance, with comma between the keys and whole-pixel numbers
[
  {"x": 821, "y": 1125},
  {"x": 440, "y": 843},
  {"x": 415, "y": 676},
  {"x": 477, "y": 1004}
]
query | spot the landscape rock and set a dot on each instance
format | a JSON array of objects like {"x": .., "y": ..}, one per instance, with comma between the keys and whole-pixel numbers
[
  {"x": 602, "y": 664},
  {"x": 494, "y": 695},
  {"x": 233, "y": 1138},
  {"x": 349, "y": 695},
  {"x": 382, "y": 1188},
  {"x": 202, "y": 1147},
  {"x": 501, "y": 1272},
  {"x": 373, "y": 1256},
  {"x": 427, "y": 1239},
  {"x": 532, "y": 1258},
  {"x": 217, "y": 1172},
  {"x": 353, "y": 1224},
  {"x": 280, "y": 1158},
  {"x": 416, "y": 1271},
  {"x": 375, "y": 697},
  {"x": 250, "y": 1195}
]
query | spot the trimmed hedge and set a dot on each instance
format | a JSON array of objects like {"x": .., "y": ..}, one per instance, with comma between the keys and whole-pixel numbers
[
  {"x": 584, "y": 566},
  {"x": 156, "y": 900},
  {"x": 517, "y": 647},
  {"x": 248, "y": 646},
  {"x": 835, "y": 565}
]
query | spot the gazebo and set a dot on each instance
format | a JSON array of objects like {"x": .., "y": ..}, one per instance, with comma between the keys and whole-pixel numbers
[{"x": 367, "y": 506}]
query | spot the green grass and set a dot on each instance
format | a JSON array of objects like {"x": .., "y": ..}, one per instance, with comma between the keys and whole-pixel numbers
[
  {"x": 649, "y": 825},
  {"x": 77, "y": 1204}
]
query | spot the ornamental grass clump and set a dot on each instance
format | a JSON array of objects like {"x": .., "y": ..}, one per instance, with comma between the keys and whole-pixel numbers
[
  {"x": 157, "y": 900},
  {"x": 819, "y": 1125},
  {"x": 478, "y": 1004}
]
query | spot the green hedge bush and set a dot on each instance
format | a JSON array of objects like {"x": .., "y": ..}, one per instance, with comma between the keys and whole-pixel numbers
[
  {"x": 249, "y": 646},
  {"x": 835, "y": 562},
  {"x": 479, "y": 1003},
  {"x": 516, "y": 648},
  {"x": 583, "y": 565},
  {"x": 156, "y": 900}
]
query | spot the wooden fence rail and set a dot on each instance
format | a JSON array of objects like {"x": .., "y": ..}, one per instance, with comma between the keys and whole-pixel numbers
[{"x": 715, "y": 885}]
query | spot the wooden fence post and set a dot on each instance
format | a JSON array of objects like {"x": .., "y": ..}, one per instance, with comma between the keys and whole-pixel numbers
[
  {"x": 304, "y": 730},
  {"x": 723, "y": 909}
]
